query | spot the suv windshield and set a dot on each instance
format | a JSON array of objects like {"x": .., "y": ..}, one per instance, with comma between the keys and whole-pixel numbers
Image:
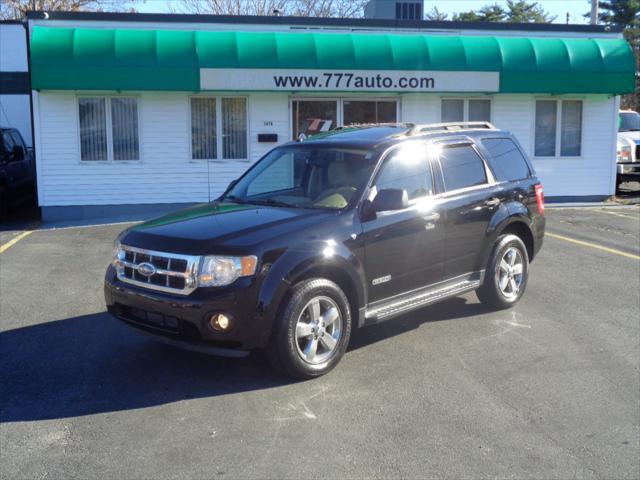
[
  {"x": 305, "y": 176},
  {"x": 629, "y": 122}
]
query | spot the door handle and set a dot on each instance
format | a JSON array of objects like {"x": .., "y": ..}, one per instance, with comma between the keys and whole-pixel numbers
[
  {"x": 432, "y": 217},
  {"x": 493, "y": 202}
]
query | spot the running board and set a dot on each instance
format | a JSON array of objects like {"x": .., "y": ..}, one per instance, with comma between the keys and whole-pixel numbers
[{"x": 419, "y": 300}]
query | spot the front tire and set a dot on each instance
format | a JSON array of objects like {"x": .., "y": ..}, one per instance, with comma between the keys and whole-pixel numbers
[
  {"x": 507, "y": 273},
  {"x": 312, "y": 332}
]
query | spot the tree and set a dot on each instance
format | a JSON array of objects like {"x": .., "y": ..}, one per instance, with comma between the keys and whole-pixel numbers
[
  {"x": 488, "y": 13},
  {"x": 520, "y": 11},
  {"x": 303, "y": 8},
  {"x": 436, "y": 15},
  {"x": 16, "y": 9},
  {"x": 620, "y": 12},
  {"x": 627, "y": 14},
  {"x": 329, "y": 8},
  {"x": 517, "y": 11},
  {"x": 234, "y": 7}
]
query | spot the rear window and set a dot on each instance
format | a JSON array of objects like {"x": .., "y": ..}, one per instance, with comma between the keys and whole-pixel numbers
[
  {"x": 505, "y": 160},
  {"x": 462, "y": 167}
]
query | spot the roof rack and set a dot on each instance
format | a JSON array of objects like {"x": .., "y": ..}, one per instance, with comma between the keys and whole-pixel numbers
[
  {"x": 385, "y": 124},
  {"x": 449, "y": 127}
]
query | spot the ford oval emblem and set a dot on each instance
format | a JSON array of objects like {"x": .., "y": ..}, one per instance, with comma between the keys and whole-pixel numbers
[{"x": 146, "y": 269}]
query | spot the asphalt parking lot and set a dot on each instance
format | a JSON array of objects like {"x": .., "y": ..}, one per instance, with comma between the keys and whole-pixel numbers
[{"x": 549, "y": 389}]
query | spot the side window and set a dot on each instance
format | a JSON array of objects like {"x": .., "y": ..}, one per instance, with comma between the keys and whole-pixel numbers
[
  {"x": 507, "y": 162},
  {"x": 462, "y": 167},
  {"x": 8, "y": 141},
  {"x": 17, "y": 139},
  {"x": 408, "y": 170}
]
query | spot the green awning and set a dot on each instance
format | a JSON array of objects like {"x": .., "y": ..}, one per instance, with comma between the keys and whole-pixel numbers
[{"x": 130, "y": 60}]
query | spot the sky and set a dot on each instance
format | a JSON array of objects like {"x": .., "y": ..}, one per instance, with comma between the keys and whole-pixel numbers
[{"x": 559, "y": 8}]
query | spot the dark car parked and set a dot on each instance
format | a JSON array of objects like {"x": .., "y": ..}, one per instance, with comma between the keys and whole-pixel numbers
[
  {"x": 17, "y": 171},
  {"x": 338, "y": 231}
]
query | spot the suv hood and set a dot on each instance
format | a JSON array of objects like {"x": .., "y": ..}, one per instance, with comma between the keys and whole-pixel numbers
[
  {"x": 223, "y": 228},
  {"x": 633, "y": 136}
]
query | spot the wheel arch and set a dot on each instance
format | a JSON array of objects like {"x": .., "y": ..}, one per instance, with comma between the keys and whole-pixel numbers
[{"x": 521, "y": 230}]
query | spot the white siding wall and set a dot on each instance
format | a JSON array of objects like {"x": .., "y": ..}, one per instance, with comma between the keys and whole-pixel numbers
[
  {"x": 589, "y": 174},
  {"x": 166, "y": 173}
]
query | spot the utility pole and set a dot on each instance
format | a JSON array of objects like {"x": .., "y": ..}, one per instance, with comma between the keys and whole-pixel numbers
[{"x": 594, "y": 12}]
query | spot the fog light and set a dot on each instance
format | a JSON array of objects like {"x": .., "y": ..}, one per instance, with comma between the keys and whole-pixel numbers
[{"x": 220, "y": 322}]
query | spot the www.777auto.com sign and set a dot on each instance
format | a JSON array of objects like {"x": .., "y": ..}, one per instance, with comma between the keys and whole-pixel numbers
[{"x": 239, "y": 79}]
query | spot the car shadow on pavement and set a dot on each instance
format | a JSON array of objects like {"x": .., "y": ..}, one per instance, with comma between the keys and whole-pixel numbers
[
  {"x": 456, "y": 308},
  {"x": 93, "y": 364}
]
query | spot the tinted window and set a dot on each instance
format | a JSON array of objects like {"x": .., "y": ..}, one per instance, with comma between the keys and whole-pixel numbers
[
  {"x": 8, "y": 141},
  {"x": 507, "y": 162},
  {"x": 409, "y": 170},
  {"x": 461, "y": 167},
  {"x": 17, "y": 139}
]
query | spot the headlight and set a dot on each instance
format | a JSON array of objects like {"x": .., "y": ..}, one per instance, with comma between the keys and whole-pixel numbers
[
  {"x": 217, "y": 271},
  {"x": 624, "y": 153},
  {"x": 115, "y": 256}
]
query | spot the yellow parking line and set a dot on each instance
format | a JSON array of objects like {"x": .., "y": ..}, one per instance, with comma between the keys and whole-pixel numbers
[
  {"x": 6, "y": 246},
  {"x": 593, "y": 245},
  {"x": 616, "y": 214}
]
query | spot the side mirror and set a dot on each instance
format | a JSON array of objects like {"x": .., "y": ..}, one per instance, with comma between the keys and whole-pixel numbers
[
  {"x": 18, "y": 153},
  {"x": 390, "y": 199}
]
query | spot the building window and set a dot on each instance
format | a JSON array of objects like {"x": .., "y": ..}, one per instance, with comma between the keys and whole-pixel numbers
[
  {"x": 465, "y": 110},
  {"x": 219, "y": 128},
  {"x": 553, "y": 116},
  {"x": 108, "y": 129},
  {"x": 313, "y": 116},
  {"x": 369, "y": 111}
]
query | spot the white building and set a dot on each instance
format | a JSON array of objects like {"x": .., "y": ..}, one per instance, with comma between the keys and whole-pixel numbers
[
  {"x": 15, "y": 110},
  {"x": 133, "y": 112}
]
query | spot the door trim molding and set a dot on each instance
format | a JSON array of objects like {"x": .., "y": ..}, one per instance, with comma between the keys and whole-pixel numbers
[{"x": 390, "y": 307}]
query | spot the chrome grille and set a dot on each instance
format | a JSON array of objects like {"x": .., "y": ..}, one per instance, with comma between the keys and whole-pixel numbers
[
  {"x": 166, "y": 272},
  {"x": 637, "y": 159}
]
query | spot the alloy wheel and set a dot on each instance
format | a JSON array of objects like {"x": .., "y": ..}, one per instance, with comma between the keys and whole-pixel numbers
[
  {"x": 510, "y": 273},
  {"x": 318, "y": 330}
]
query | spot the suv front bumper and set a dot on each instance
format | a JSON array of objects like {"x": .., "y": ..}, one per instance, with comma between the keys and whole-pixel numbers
[
  {"x": 629, "y": 169},
  {"x": 183, "y": 321}
]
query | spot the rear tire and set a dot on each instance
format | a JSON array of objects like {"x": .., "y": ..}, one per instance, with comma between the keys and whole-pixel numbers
[
  {"x": 507, "y": 273},
  {"x": 312, "y": 331}
]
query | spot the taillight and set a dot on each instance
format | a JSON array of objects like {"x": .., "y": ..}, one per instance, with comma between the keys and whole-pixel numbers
[{"x": 540, "y": 198}]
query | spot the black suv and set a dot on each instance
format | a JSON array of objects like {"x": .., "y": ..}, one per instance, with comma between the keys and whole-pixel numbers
[{"x": 339, "y": 231}]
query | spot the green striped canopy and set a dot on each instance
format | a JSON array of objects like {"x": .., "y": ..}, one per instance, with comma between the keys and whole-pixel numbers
[{"x": 170, "y": 60}]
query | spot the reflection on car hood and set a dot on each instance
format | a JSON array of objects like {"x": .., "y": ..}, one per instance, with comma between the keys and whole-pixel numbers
[{"x": 219, "y": 226}]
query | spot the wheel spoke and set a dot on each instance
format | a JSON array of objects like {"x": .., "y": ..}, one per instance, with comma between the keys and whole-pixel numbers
[
  {"x": 330, "y": 316},
  {"x": 328, "y": 341},
  {"x": 314, "y": 310},
  {"x": 517, "y": 269},
  {"x": 513, "y": 285},
  {"x": 504, "y": 280},
  {"x": 311, "y": 348},
  {"x": 504, "y": 266},
  {"x": 511, "y": 257},
  {"x": 303, "y": 330}
]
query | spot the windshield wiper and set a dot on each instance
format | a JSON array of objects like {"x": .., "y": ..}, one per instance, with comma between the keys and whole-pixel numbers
[
  {"x": 233, "y": 198},
  {"x": 272, "y": 202}
]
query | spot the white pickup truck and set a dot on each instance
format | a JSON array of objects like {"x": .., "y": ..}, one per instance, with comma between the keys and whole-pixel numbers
[{"x": 628, "y": 150}]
